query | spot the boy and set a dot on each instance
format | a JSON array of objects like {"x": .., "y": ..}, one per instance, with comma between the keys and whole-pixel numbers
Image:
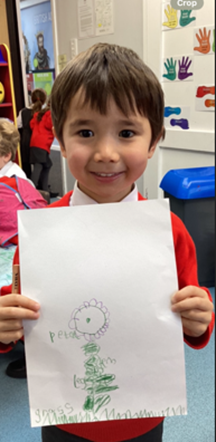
[
  {"x": 9, "y": 139},
  {"x": 107, "y": 110}
]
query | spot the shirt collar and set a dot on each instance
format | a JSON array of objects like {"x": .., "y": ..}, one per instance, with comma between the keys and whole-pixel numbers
[{"x": 78, "y": 198}]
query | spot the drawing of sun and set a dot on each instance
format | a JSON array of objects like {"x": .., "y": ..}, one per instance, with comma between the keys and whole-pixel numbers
[{"x": 90, "y": 320}]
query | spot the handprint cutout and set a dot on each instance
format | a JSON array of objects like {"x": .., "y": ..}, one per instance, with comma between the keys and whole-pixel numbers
[
  {"x": 183, "y": 68},
  {"x": 172, "y": 18},
  {"x": 185, "y": 18},
  {"x": 204, "y": 42},
  {"x": 171, "y": 69}
]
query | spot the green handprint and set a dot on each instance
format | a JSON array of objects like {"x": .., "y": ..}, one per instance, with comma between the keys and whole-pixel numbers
[
  {"x": 185, "y": 18},
  {"x": 171, "y": 69},
  {"x": 213, "y": 44}
]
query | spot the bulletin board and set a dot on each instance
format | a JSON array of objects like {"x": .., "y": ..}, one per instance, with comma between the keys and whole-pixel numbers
[{"x": 187, "y": 67}]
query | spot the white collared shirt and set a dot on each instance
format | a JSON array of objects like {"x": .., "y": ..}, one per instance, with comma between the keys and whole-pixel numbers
[
  {"x": 78, "y": 198},
  {"x": 11, "y": 169}
]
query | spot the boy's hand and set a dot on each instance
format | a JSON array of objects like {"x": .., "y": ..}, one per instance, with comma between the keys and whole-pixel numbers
[
  {"x": 13, "y": 309},
  {"x": 195, "y": 309}
]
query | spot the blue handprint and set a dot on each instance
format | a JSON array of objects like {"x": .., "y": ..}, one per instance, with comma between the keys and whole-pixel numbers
[
  {"x": 183, "y": 68},
  {"x": 171, "y": 69},
  {"x": 183, "y": 123},
  {"x": 171, "y": 110},
  {"x": 185, "y": 18}
]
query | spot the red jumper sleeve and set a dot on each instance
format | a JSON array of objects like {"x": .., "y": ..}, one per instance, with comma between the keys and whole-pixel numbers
[{"x": 186, "y": 263}]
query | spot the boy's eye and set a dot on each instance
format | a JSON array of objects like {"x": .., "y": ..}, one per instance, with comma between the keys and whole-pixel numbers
[
  {"x": 86, "y": 133},
  {"x": 126, "y": 133}
]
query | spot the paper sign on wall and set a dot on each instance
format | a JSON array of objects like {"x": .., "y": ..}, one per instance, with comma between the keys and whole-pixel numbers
[
  {"x": 106, "y": 345},
  {"x": 85, "y": 9},
  {"x": 205, "y": 98},
  {"x": 104, "y": 17},
  {"x": 177, "y": 117}
]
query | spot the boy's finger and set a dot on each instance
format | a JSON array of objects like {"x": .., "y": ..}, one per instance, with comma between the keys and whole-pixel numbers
[
  {"x": 193, "y": 328},
  {"x": 192, "y": 304},
  {"x": 188, "y": 292},
  {"x": 195, "y": 316},
  {"x": 19, "y": 301},
  {"x": 10, "y": 324},
  {"x": 11, "y": 336},
  {"x": 18, "y": 313}
]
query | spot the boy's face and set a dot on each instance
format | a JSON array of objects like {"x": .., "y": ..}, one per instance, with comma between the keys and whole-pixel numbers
[{"x": 105, "y": 153}]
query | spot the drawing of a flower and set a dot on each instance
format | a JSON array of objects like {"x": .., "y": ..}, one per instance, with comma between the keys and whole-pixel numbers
[{"x": 90, "y": 320}]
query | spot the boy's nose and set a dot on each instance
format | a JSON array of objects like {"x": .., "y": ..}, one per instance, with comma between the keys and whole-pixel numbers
[{"x": 106, "y": 152}]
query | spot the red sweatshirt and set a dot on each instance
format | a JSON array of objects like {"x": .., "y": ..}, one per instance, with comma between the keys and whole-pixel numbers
[
  {"x": 42, "y": 135},
  {"x": 186, "y": 263}
]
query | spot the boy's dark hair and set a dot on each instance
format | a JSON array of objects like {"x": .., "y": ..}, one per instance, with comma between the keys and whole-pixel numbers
[
  {"x": 9, "y": 138},
  {"x": 104, "y": 71}
]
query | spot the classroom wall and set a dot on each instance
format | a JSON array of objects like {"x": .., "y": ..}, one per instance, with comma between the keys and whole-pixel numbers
[
  {"x": 138, "y": 25},
  {"x": 181, "y": 148},
  {"x": 128, "y": 31}
]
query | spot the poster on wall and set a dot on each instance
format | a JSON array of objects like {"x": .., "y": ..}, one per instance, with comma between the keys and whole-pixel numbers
[
  {"x": 95, "y": 17},
  {"x": 36, "y": 23},
  {"x": 104, "y": 17},
  {"x": 85, "y": 10},
  {"x": 43, "y": 80}
]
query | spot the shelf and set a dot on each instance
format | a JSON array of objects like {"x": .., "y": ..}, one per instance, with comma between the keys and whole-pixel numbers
[{"x": 6, "y": 105}]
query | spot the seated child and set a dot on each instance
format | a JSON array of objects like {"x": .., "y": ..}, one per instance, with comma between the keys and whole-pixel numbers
[
  {"x": 17, "y": 192},
  {"x": 107, "y": 110},
  {"x": 9, "y": 139}
]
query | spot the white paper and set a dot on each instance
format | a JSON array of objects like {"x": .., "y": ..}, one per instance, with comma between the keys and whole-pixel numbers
[
  {"x": 85, "y": 10},
  {"x": 104, "y": 276},
  {"x": 104, "y": 17}
]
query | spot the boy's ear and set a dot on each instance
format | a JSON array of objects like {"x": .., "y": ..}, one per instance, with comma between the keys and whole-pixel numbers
[
  {"x": 63, "y": 151},
  {"x": 152, "y": 150},
  {"x": 153, "y": 147},
  {"x": 8, "y": 157}
]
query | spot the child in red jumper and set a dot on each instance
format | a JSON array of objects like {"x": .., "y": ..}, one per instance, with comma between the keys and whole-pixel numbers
[
  {"x": 107, "y": 110},
  {"x": 40, "y": 144}
]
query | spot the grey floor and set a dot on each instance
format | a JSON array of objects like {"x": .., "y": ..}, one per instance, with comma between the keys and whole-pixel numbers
[{"x": 197, "y": 426}]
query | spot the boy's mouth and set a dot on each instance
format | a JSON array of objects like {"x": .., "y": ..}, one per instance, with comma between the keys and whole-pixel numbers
[
  {"x": 105, "y": 174},
  {"x": 107, "y": 177}
]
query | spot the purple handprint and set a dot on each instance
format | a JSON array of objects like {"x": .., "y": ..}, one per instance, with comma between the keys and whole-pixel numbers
[
  {"x": 183, "y": 123},
  {"x": 183, "y": 68}
]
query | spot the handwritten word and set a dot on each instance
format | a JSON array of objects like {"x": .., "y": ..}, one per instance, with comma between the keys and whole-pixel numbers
[
  {"x": 62, "y": 335},
  {"x": 63, "y": 415}
]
